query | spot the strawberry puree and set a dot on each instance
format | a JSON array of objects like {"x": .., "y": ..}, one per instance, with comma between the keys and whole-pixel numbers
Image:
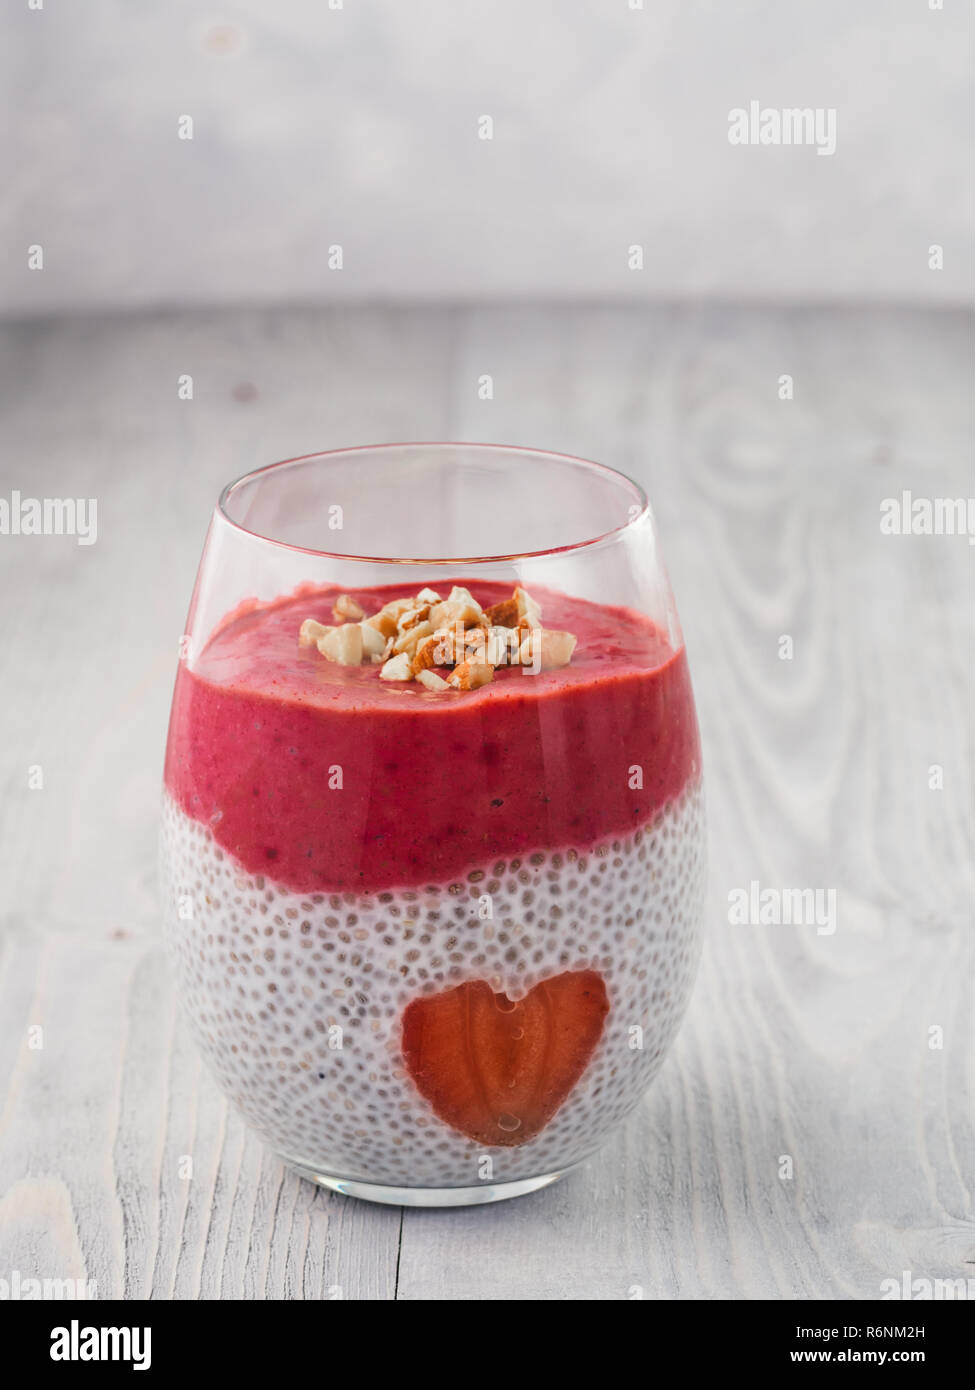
[{"x": 432, "y": 784}]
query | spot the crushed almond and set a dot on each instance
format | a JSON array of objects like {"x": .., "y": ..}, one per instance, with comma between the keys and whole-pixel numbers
[
  {"x": 552, "y": 647},
  {"x": 373, "y": 642},
  {"x": 503, "y": 614},
  {"x": 310, "y": 632},
  {"x": 342, "y": 644},
  {"x": 498, "y": 646},
  {"x": 431, "y": 680},
  {"x": 528, "y": 610},
  {"x": 346, "y": 610},
  {"x": 425, "y": 654},
  {"x": 388, "y": 616},
  {"x": 411, "y": 616},
  {"x": 398, "y": 668},
  {"x": 407, "y": 641},
  {"x": 501, "y": 646},
  {"x": 442, "y": 648},
  {"x": 458, "y": 607},
  {"x": 471, "y": 675}
]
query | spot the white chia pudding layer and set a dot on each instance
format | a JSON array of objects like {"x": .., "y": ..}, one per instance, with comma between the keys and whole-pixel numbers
[{"x": 297, "y": 999}]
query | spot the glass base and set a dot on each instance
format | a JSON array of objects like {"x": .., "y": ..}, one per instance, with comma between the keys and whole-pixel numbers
[{"x": 424, "y": 1196}]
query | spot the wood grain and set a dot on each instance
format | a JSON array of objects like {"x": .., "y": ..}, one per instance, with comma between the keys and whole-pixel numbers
[{"x": 811, "y": 1046}]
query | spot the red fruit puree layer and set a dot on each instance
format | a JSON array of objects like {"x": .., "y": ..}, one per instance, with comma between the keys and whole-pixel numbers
[{"x": 432, "y": 783}]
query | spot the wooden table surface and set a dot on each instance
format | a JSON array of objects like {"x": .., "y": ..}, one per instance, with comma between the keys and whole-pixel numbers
[{"x": 813, "y": 1046}]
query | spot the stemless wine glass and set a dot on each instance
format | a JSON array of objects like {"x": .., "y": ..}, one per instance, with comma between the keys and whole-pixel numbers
[{"x": 433, "y": 845}]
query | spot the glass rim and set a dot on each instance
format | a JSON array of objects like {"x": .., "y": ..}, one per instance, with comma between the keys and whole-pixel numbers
[{"x": 638, "y": 493}]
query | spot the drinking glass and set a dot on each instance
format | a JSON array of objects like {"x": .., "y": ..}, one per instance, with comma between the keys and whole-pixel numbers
[{"x": 433, "y": 936}]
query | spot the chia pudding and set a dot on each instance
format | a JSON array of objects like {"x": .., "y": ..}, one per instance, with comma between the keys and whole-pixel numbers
[{"x": 428, "y": 933}]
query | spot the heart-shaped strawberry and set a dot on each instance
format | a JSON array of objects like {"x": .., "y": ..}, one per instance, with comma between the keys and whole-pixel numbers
[{"x": 498, "y": 1070}]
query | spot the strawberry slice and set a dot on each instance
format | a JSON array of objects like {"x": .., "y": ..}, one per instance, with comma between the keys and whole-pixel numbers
[{"x": 498, "y": 1070}]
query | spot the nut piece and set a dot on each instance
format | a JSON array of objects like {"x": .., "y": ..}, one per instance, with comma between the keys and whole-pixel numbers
[
  {"x": 470, "y": 675},
  {"x": 528, "y": 610},
  {"x": 411, "y": 616},
  {"x": 387, "y": 617},
  {"x": 346, "y": 610},
  {"x": 398, "y": 668},
  {"x": 310, "y": 632},
  {"x": 472, "y": 643},
  {"x": 503, "y": 614},
  {"x": 496, "y": 645},
  {"x": 554, "y": 648},
  {"x": 410, "y": 636},
  {"x": 441, "y": 648},
  {"x": 501, "y": 646},
  {"x": 408, "y": 640},
  {"x": 342, "y": 644},
  {"x": 431, "y": 680},
  {"x": 373, "y": 642},
  {"x": 458, "y": 607}
]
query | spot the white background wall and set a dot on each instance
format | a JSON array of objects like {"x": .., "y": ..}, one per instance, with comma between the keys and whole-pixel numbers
[{"x": 358, "y": 126}]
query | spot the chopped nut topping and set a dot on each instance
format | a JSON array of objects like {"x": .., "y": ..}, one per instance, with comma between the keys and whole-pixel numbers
[
  {"x": 425, "y": 654},
  {"x": 528, "y": 610},
  {"x": 503, "y": 614},
  {"x": 431, "y": 680},
  {"x": 409, "y": 637},
  {"x": 458, "y": 607},
  {"x": 442, "y": 648},
  {"x": 407, "y": 641},
  {"x": 473, "y": 641},
  {"x": 310, "y": 632},
  {"x": 383, "y": 622},
  {"x": 346, "y": 610},
  {"x": 554, "y": 648},
  {"x": 498, "y": 646},
  {"x": 388, "y": 616},
  {"x": 342, "y": 644},
  {"x": 502, "y": 647},
  {"x": 411, "y": 616},
  {"x": 373, "y": 642},
  {"x": 398, "y": 668},
  {"x": 470, "y": 675}
]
